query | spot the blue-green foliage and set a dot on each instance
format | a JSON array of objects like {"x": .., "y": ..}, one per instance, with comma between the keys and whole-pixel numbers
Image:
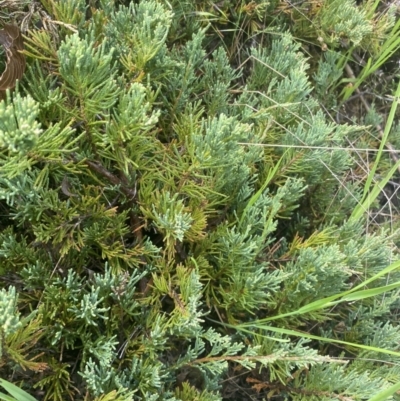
[{"x": 153, "y": 186}]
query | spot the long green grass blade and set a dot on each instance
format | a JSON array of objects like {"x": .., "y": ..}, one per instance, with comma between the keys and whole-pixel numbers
[
  {"x": 296, "y": 333},
  {"x": 394, "y": 266},
  {"x": 16, "y": 392},
  {"x": 346, "y": 296},
  {"x": 356, "y": 296},
  {"x": 386, "y": 132},
  {"x": 255, "y": 197},
  {"x": 5, "y": 397},
  {"x": 369, "y": 195},
  {"x": 384, "y": 394},
  {"x": 364, "y": 206},
  {"x": 387, "y": 50},
  {"x": 372, "y": 10}
]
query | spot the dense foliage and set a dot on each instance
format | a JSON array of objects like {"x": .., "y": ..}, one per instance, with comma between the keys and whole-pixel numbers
[{"x": 181, "y": 197}]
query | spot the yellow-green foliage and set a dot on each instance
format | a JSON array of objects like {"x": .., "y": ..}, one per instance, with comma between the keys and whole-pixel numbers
[{"x": 170, "y": 185}]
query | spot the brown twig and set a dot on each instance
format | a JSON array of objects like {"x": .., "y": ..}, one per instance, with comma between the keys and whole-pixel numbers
[{"x": 100, "y": 169}]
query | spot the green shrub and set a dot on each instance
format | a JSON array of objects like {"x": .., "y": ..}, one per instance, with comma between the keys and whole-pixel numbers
[{"x": 178, "y": 216}]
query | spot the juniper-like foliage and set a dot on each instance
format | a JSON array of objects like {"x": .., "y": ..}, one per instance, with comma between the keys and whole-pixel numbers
[{"x": 168, "y": 173}]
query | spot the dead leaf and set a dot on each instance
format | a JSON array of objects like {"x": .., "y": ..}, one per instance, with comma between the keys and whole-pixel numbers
[
  {"x": 11, "y": 40},
  {"x": 258, "y": 385}
]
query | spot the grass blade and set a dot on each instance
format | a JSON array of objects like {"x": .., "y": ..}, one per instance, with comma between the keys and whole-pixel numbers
[
  {"x": 365, "y": 205},
  {"x": 384, "y": 394},
  {"x": 353, "y": 294},
  {"x": 296, "y": 333},
  {"x": 369, "y": 195},
  {"x": 5, "y": 397},
  {"x": 254, "y": 198},
  {"x": 356, "y": 296},
  {"x": 16, "y": 392}
]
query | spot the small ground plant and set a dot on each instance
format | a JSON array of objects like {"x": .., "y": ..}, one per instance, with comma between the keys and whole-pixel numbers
[{"x": 195, "y": 201}]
